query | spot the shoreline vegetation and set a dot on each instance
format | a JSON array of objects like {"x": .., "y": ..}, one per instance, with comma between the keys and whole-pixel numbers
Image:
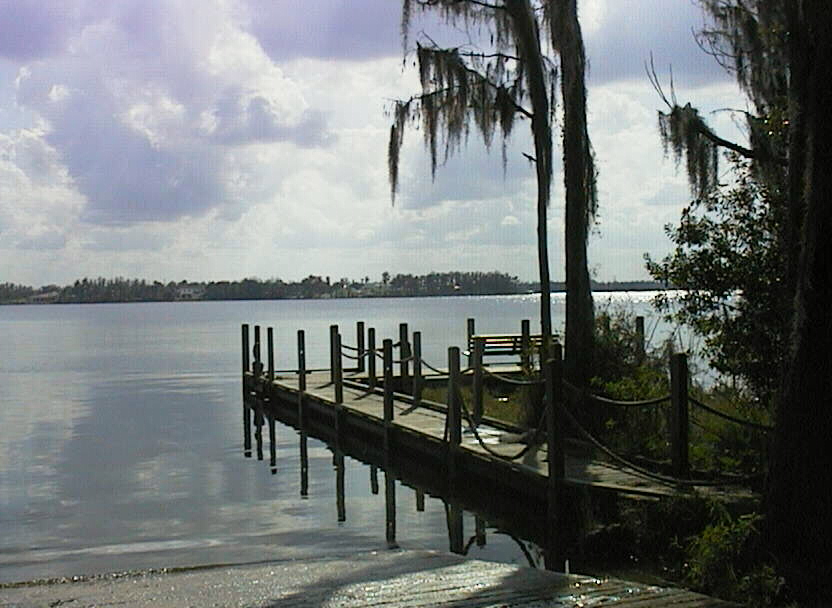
[{"x": 118, "y": 290}]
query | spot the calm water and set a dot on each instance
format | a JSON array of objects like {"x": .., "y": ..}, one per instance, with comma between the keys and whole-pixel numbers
[{"x": 121, "y": 446}]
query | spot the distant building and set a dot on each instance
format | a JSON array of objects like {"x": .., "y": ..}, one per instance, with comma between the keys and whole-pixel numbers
[
  {"x": 190, "y": 291},
  {"x": 47, "y": 297}
]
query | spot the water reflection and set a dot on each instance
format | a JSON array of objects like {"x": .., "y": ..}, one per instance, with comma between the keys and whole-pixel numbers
[{"x": 453, "y": 514}]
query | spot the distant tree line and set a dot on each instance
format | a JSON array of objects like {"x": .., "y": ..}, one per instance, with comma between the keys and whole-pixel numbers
[{"x": 120, "y": 289}]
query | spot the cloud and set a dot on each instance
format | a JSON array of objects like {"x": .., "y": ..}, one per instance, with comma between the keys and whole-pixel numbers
[
  {"x": 325, "y": 29},
  {"x": 30, "y": 29},
  {"x": 620, "y": 36},
  {"x": 144, "y": 106}
]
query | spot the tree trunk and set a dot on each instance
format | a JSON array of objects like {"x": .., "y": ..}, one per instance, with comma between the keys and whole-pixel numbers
[
  {"x": 528, "y": 43},
  {"x": 579, "y": 180},
  {"x": 799, "y": 497}
]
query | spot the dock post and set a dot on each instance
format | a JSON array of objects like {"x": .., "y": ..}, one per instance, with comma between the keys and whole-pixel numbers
[
  {"x": 246, "y": 408},
  {"x": 479, "y": 530},
  {"x": 258, "y": 365},
  {"x": 456, "y": 531},
  {"x": 404, "y": 352},
  {"x": 371, "y": 357},
  {"x": 388, "y": 393},
  {"x": 270, "y": 349},
  {"x": 361, "y": 352},
  {"x": 679, "y": 415},
  {"x": 640, "y": 346},
  {"x": 479, "y": 348},
  {"x": 525, "y": 345},
  {"x": 418, "y": 382},
  {"x": 420, "y": 500},
  {"x": 301, "y": 375},
  {"x": 333, "y": 331},
  {"x": 338, "y": 379},
  {"x": 454, "y": 411},
  {"x": 246, "y": 352},
  {"x": 374, "y": 479},
  {"x": 469, "y": 333},
  {"x": 554, "y": 445}
]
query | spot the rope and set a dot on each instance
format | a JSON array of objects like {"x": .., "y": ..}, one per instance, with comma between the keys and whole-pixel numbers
[
  {"x": 402, "y": 360},
  {"x": 508, "y": 380},
  {"x": 473, "y": 429},
  {"x": 616, "y": 402},
  {"x": 352, "y": 348},
  {"x": 747, "y": 423},
  {"x": 353, "y": 357},
  {"x": 433, "y": 369},
  {"x": 644, "y": 472}
]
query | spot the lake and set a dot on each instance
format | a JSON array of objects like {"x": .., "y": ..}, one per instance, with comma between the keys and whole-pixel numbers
[{"x": 121, "y": 440}]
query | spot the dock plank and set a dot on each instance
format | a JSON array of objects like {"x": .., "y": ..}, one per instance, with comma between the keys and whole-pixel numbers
[{"x": 394, "y": 579}]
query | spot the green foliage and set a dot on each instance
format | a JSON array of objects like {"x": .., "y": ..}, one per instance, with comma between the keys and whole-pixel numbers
[
  {"x": 726, "y": 559},
  {"x": 728, "y": 262}
]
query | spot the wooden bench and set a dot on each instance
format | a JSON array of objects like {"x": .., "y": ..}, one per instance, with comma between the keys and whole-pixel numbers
[{"x": 502, "y": 344}]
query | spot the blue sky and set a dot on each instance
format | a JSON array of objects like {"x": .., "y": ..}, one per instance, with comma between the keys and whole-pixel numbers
[{"x": 220, "y": 139}]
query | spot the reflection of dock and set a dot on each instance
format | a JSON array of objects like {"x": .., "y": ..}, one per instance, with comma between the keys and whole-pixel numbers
[{"x": 388, "y": 578}]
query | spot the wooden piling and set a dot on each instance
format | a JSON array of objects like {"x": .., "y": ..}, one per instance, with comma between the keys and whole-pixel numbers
[
  {"x": 679, "y": 415},
  {"x": 270, "y": 349},
  {"x": 469, "y": 333},
  {"x": 390, "y": 508},
  {"x": 374, "y": 479},
  {"x": 456, "y": 531},
  {"x": 333, "y": 331},
  {"x": 454, "y": 411},
  {"x": 525, "y": 344},
  {"x": 338, "y": 371},
  {"x": 554, "y": 445},
  {"x": 246, "y": 352},
  {"x": 371, "y": 358},
  {"x": 479, "y": 530},
  {"x": 359, "y": 344},
  {"x": 387, "y": 351},
  {"x": 420, "y": 500},
  {"x": 404, "y": 352},
  {"x": 304, "y": 465},
  {"x": 340, "y": 501},
  {"x": 418, "y": 380},
  {"x": 301, "y": 376},
  {"x": 479, "y": 349},
  {"x": 258, "y": 365},
  {"x": 640, "y": 345}
]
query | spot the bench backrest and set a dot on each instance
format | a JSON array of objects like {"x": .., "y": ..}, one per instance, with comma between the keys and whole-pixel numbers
[{"x": 502, "y": 344}]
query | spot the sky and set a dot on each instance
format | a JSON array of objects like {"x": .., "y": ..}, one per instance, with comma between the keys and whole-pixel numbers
[{"x": 222, "y": 139}]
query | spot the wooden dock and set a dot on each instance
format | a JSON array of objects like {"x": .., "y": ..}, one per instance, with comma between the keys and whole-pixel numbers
[{"x": 385, "y": 578}]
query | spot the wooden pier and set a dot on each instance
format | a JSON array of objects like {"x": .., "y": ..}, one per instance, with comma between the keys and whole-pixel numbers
[{"x": 376, "y": 413}]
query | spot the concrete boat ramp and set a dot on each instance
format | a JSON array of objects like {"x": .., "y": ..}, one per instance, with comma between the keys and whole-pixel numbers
[{"x": 394, "y": 578}]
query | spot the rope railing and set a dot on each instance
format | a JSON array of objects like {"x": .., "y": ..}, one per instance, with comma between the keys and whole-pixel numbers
[
  {"x": 642, "y": 472},
  {"x": 348, "y": 347},
  {"x": 747, "y": 423},
  {"x": 616, "y": 402},
  {"x": 473, "y": 428},
  {"x": 509, "y": 380}
]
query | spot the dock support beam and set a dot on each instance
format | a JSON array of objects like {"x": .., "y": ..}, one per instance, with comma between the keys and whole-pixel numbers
[
  {"x": 333, "y": 331},
  {"x": 454, "y": 412},
  {"x": 258, "y": 365},
  {"x": 679, "y": 415},
  {"x": 469, "y": 333},
  {"x": 301, "y": 375},
  {"x": 359, "y": 344},
  {"x": 246, "y": 408},
  {"x": 418, "y": 381},
  {"x": 404, "y": 352},
  {"x": 554, "y": 445},
  {"x": 371, "y": 358},
  {"x": 246, "y": 352},
  {"x": 388, "y": 393},
  {"x": 479, "y": 349},
  {"x": 270, "y": 351}
]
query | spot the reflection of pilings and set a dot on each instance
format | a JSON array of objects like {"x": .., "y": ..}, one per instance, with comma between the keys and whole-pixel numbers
[
  {"x": 455, "y": 529},
  {"x": 258, "y": 428},
  {"x": 272, "y": 445},
  {"x": 374, "y": 479},
  {"x": 246, "y": 429},
  {"x": 390, "y": 508},
  {"x": 304, "y": 465},
  {"x": 479, "y": 530},
  {"x": 420, "y": 500},
  {"x": 339, "y": 486}
]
